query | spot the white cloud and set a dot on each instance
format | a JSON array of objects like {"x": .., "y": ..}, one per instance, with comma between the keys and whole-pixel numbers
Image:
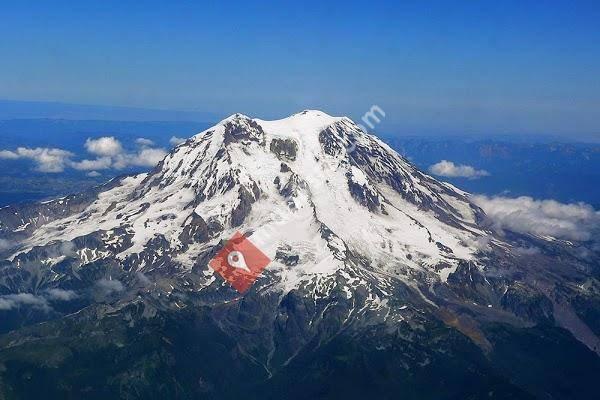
[
  {"x": 451, "y": 170},
  {"x": 527, "y": 251},
  {"x": 577, "y": 221},
  {"x": 481, "y": 243},
  {"x": 8, "y": 155},
  {"x": 144, "y": 280},
  {"x": 93, "y": 174},
  {"x": 122, "y": 161},
  {"x": 174, "y": 141},
  {"x": 146, "y": 157},
  {"x": 91, "y": 165},
  {"x": 67, "y": 249},
  {"x": 116, "y": 157},
  {"x": 109, "y": 151},
  {"x": 5, "y": 244},
  {"x": 61, "y": 294},
  {"x": 46, "y": 159},
  {"x": 104, "y": 146},
  {"x": 149, "y": 157},
  {"x": 11, "y": 301},
  {"x": 109, "y": 286},
  {"x": 144, "y": 142}
]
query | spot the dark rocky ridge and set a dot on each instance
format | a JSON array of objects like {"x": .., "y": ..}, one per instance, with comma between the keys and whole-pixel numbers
[{"x": 285, "y": 149}]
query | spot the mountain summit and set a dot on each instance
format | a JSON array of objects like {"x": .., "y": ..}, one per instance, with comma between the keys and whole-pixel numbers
[
  {"x": 376, "y": 266},
  {"x": 283, "y": 183}
]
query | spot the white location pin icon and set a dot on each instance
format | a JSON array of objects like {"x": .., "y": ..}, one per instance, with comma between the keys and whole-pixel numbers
[{"x": 236, "y": 260}]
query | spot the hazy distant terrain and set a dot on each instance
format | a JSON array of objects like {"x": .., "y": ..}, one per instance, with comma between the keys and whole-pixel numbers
[{"x": 11, "y": 109}]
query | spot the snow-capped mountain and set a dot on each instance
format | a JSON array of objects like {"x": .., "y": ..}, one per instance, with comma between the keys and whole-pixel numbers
[
  {"x": 282, "y": 182},
  {"x": 366, "y": 251}
]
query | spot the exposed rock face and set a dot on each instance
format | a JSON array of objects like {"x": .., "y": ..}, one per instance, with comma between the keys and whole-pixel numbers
[
  {"x": 331, "y": 143},
  {"x": 287, "y": 256},
  {"x": 527, "y": 303},
  {"x": 379, "y": 280},
  {"x": 292, "y": 189},
  {"x": 243, "y": 208},
  {"x": 284, "y": 168},
  {"x": 241, "y": 129},
  {"x": 195, "y": 230},
  {"x": 284, "y": 149},
  {"x": 364, "y": 193}
]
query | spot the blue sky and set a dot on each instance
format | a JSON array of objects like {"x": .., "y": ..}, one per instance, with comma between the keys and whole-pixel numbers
[{"x": 434, "y": 67}]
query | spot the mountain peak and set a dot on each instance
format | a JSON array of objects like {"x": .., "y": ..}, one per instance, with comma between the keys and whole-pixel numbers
[
  {"x": 302, "y": 122},
  {"x": 311, "y": 181},
  {"x": 313, "y": 113}
]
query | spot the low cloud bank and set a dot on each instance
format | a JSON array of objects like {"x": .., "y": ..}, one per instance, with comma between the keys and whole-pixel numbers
[
  {"x": 12, "y": 301},
  {"x": 449, "y": 169},
  {"x": 41, "y": 302},
  {"x": 61, "y": 294},
  {"x": 107, "y": 287},
  {"x": 575, "y": 221},
  {"x": 46, "y": 159},
  {"x": 175, "y": 141},
  {"x": 111, "y": 155},
  {"x": 108, "y": 153},
  {"x": 5, "y": 244}
]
